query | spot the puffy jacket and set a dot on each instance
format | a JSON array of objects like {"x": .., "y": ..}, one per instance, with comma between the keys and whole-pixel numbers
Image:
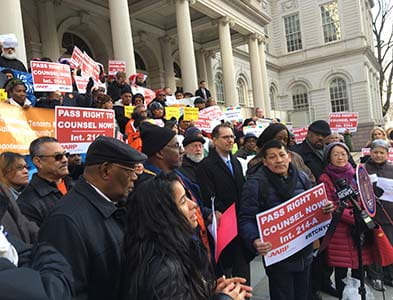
[
  {"x": 42, "y": 274},
  {"x": 341, "y": 250},
  {"x": 258, "y": 196}
]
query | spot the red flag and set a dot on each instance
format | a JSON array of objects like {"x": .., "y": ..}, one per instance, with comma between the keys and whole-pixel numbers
[{"x": 226, "y": 230}]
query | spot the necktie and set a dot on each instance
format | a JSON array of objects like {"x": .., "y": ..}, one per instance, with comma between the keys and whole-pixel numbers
[{"x": 229, "y": 165}]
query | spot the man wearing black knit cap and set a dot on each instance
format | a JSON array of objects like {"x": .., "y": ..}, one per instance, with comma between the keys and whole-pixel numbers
[
  {"x": 311, "y": 150},
  {"x": 87, "y": 226}
]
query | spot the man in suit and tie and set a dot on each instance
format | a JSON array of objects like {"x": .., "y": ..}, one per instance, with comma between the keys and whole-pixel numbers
[
  {"x": 220, "y": 176},
  {"x": 203, "y": 92}
]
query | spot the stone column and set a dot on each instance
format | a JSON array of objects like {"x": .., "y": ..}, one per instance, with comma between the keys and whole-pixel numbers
[
  {"x": 48, "y": 29},
  {"x": 169, "y": 72},
  {"x": 201, "y": 65},
  {"x": 123, "y": 46},
  {"x": 186, "y": 46},
  {"x": 256, "y": 76},
  {"x": 209, "y": 73},
  {"x": 265, "y": 82},
  {"x": 228, "y": 69},
  {"x": 11, "y": 22}
]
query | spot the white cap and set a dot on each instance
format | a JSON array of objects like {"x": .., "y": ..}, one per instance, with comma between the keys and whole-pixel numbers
[{"x": 9, "y": 40}]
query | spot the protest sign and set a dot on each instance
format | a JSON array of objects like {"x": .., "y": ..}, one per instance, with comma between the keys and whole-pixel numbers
[
  {"x": 51, "y": 77},
  {"x": 172, "y": 101},
  {"x": 27, "y": 79},
  {"x": 77, "y": 128},
  {"x": 294, "y": 224},
  {"x": 254, "y": 129},
  {"x": 172, "y": 112},
  {"x": 90, "y": 68},
  {"x": 300, "y": 134},
  {"x": 115, "y": 66},
  {"x": 263, "y": 122},
  {"x": 3, "y": 95},
  {"x": 387, "y": 185},
  {"x": 77, "y": 57},
  {"x": 209, "y": 118},
  {"x": 128, "y": 110},
  {"x": 81, "y": 83},
  {"x": 366, "y": 151},
  {"x": 366, "y": 190},
  {"x": 343, "y": 121},
  {"x": 224, "y": 231},
  {"x": 233, "y": 114},
  {"x": 19, "y": 127},
  {"x": 191, "y": 114}
]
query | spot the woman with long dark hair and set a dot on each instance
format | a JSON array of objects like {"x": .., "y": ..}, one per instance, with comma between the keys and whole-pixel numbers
[{"x": 164, "y": 259}]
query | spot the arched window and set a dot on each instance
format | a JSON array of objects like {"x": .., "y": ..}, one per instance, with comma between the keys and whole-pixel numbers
[
  {"x": 299, "y": 98},
  {"x": 139, "y": 63},
  {"x": 70, "y": 40},
  {"x": 219, "y": 89},
  {"x": 338, "y": 95},
  {"x": 273, "y": 97},
  {"x": 241, "y": 92}
]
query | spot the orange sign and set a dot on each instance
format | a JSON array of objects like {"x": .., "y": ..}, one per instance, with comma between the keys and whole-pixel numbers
[{"x": 19, "y": 127}]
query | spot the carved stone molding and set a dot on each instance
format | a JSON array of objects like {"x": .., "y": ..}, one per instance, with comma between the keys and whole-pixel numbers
[{"x": 289, "y": 5}]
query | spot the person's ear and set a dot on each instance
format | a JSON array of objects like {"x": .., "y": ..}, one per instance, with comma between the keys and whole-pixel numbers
[
  {"x": 160, "y": 154},
  {"x": 290, "y": 156},
  {"x": 105, "y": 170},
  {"x": 37, "y": 162}
]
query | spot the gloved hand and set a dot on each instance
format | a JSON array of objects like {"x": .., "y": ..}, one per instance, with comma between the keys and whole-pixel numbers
[
  {"x": 378, "y": 192},
  {"x": 89, "y": 85}
]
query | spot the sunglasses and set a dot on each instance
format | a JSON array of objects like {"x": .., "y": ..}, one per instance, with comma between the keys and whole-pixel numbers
[{"x": 57, "y": 157}]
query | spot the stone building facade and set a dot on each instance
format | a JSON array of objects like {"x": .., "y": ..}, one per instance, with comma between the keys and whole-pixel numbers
[{"x": 297, "y": 59}]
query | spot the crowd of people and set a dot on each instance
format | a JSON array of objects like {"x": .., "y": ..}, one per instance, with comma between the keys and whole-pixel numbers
[{"x": 131, "y": 219}]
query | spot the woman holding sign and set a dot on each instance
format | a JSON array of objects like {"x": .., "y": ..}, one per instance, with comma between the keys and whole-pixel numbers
[
  {"x": 271, "y": 185},
  {"x": 164, "y": 259},
  {"x": 378, "y": 165},
  {"x": 341, "y": 250}
]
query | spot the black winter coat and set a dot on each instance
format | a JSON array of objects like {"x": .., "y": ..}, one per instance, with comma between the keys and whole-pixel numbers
[
  {"x": 188, "y": 168},
  {"x": 259, "y": 195},
  {"x": 165, "y": 278},
  {"x": 42, "y": 274},
  {"x": 38, "y": 198},
  {"x": 313, "y": 161},
  {"x": 215, "y": 179},
  {"x": 88, "y": 230}
]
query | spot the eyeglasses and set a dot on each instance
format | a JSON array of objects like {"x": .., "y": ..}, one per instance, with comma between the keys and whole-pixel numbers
[
  {"x": 57, "y": 156},
  {"x": 130, "y": 171},
  {"x": 176, "y": 146},
  {"x": 227, "y": 137},
  {"x": 22, "y": 167}
]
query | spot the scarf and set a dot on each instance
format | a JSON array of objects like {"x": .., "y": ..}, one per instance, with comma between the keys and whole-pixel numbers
[
  {"x": 283, "y": 186},
  {"x": 347, "y": 172}
]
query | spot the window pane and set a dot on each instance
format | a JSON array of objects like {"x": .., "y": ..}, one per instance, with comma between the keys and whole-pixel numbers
[
  {"x": 219, "y": 89},
  {"x": 338, "y": 95},
  {"x": 292, "y": 33},
  {"x": 330, "y": 22},
  {"x": 300, "y": 98}
]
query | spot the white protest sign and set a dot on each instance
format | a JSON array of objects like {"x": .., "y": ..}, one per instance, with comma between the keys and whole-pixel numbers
[
  {"x": 294, "y": 224},
  {"x": 233, "y": 113}
]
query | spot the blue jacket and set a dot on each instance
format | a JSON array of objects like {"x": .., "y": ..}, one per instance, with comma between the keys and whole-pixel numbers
[{"x": 258, "y": 196}]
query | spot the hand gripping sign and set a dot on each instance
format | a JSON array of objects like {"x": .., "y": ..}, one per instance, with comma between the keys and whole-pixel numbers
[{"x": 294, "y": 224}]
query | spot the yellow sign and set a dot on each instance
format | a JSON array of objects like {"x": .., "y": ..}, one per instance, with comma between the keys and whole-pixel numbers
[
  {"x": 128, "y": 110},
  {"x": 3, "y": 95},
  {"x": 171, "y": 112},
  {"x": 191, "y": 113}
]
